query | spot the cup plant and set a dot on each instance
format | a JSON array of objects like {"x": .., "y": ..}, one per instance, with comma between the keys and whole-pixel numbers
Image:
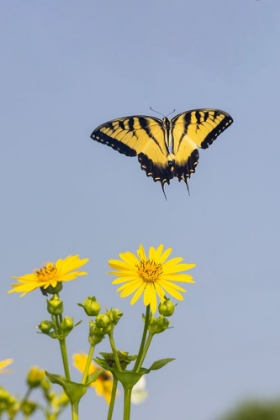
[{"x": 151, "y": 275}]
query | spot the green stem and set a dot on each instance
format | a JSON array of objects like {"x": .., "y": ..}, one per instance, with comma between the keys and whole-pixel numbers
[
  {"x": 145, "y": 350},
  {"x": 127, "y": 403},
  {"x": 75, "y": 411},
  {"x": 113, "y": 398},
  {"x": 116, "y": 357},
  {"x": 25, "y": 398},
  {"x": 138, "y": 362},
  {"x": 63, "y": 350},
  {"x": 89, "y": 359}
]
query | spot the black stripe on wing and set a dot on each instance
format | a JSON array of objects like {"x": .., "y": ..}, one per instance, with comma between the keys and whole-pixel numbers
[
  {"x": 222, "y": 126},
  {"x": 101, "y": 137}
]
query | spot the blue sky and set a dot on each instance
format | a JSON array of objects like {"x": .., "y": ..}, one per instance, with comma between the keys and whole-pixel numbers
[{"x": 67, "y": 67}]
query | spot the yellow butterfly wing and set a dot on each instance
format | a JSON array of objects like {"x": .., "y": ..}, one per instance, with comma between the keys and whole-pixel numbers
[
  {"x": 138, "y": 135},
  {"x": 194, "y": 129}
]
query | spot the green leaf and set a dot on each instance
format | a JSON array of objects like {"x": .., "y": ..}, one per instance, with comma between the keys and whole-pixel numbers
[
  {"x": 92, "y": 378},
  {"x": 73, "y": 390},
  {"x": 127, "y": 378},
  {"x": 158, "y": 364}
]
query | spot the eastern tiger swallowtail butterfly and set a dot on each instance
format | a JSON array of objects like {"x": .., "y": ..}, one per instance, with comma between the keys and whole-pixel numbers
[{"x": 165, "y": 148}]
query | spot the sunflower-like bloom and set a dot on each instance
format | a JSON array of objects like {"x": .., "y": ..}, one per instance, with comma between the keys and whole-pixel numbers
[
  {"x": 50, "y": 275},
  {"x": 5, "y": 363},
  {"x": 103, "y": 384},
  {"x": 151, "y": 275}
]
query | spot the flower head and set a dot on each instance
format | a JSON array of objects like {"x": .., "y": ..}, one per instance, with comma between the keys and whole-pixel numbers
[
  {"x": 5, "y": 363},
  {"x": 50, "y": 275},
  {"x": 103, "y": 384},
  {"x": 150, "y": 274}
]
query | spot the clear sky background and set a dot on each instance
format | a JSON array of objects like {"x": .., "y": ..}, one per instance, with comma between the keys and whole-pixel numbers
[{"x": 67, "y": 67}]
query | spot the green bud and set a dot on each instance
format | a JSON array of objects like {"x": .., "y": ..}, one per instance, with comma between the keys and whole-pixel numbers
[
  {"x": 54, "y": 290},
  {"x": 67, "y": 324},
  {"x": 28, "y": 407},
  {"x": 55, "y": 306},
  {"x": 13, "y": 409},
  {"x": 157, "y": 326},
  {"x": 114, "y": 315},
  {"x": 34, "y": 377},
  {"x": 167, "y": 307},
  {"x": 91, "y": 306},
  {"x": 102, "y": 321},
  {"x": 123, "y": 357},
  {"x": 45, "y": 326},
  {"x": 4, "y": 395},
  {"x": 96, "y": 334}
]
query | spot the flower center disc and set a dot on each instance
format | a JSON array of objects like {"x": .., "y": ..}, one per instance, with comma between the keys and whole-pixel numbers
[
  {"x": 47, "y": 272},
  {"x": 149, "y": 271}
]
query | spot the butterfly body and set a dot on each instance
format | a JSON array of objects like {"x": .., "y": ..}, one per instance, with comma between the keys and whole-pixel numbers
[{"x": 165, "y": 148}]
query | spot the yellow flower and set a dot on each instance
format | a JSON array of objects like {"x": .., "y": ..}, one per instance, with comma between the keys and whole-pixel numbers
[
  {"x": 5, "y": 363},
  {"x": 150, "y": 275},
  {"x": 103, "y": 384},
  {"x": 50, "y": 275}
]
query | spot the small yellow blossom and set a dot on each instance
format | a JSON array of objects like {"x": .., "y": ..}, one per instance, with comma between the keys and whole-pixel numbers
[
  {"x": 35, "y": 376},
  {"x": 5, "y": 363},
  {"x": 151, "y": 275},
  {"x": 50, "y": 275},
  {"x": 103, "y": 384}
]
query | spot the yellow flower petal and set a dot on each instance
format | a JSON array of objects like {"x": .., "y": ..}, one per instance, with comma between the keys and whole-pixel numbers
[{"x": 5, "y": 363}]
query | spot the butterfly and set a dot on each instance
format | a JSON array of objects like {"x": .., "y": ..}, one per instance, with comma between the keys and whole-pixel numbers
[{"x": 166, "y": 148}]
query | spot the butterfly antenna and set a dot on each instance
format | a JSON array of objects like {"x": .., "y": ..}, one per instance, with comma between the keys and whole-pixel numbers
[
  {"x": 171, "y": 112},
  {"x": 156, "y": 112},
  {"x": 161, "y": 113}
]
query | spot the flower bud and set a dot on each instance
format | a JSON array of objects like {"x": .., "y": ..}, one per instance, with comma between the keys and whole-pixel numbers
[
  {"x": 45, "y": 326},
  {"x": 4, "y": 395},
  {"x": 67, "y": 324},
  {"x": 55, "y": 305},
  {"x": 102, "y": 321},
  {"x": 28, "y": 408},
  {"x": 35, "y": 376},
  {"x": 166, "y": 307},
  {"x": 91, "y": 306},
  {"x": 157, "y": 326},
  {"x": 114, "y": 315},
  {"x": 96, "y": 334}
]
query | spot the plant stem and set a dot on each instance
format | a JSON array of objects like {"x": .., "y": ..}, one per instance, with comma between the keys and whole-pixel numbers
[
  {"x": 89, "y": 359},
  {"x": 113, "y": 398},
  {"x": 116, "y": 357},
  {"x": 139, "y": 360},
  {"x": 127, "y": 403},
  {"x": 75, "y": 411},
  {"x": 145, "y": 350},
  {"x": 63, "y": 350}
]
